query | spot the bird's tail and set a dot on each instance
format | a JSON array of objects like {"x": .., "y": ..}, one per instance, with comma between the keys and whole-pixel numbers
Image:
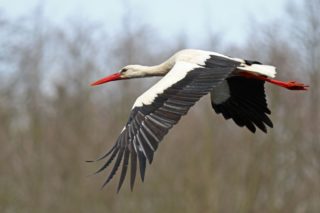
[{"x": 261, "y": 69}]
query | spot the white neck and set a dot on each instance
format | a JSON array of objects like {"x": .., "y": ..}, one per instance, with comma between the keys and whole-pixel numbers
[{"x": 158, "y": 70}]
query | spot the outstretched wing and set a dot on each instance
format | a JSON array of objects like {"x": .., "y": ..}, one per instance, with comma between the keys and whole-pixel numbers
[
  {"x": 158, "y": 109},
  {"x": 244, "y": 101}
]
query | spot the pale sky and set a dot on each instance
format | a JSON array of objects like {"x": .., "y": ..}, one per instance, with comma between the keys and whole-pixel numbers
[{"x": 168, "y": 17}]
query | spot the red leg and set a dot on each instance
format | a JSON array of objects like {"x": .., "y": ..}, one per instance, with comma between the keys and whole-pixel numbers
[{"x": 291, "y": 85}]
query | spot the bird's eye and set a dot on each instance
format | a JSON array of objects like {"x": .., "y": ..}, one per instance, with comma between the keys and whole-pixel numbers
[{"x": 124, "y": 70}]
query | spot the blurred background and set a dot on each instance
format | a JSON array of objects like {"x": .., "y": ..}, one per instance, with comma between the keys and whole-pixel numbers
[{"x": 52, "y": 120}]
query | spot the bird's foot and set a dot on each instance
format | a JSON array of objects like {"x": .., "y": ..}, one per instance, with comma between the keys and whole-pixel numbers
[{"x": 293, "y": 85}]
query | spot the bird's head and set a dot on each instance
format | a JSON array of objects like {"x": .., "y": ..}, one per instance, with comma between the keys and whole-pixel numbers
[{"x": 129, "y": 71}]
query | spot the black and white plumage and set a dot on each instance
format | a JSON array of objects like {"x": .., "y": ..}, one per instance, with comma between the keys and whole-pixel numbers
[{"x": 237, "y": 92}]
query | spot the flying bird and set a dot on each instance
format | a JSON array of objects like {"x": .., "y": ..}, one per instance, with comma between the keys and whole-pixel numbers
[{"x": 237, "y": 92}]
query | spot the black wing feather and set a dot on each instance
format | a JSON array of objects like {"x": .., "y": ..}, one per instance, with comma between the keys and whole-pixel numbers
[
  {"x": 247, "y": 104},
  {"x": 124, "y": 168},
  {"x": 133, "y": 167},
  {"x": 115, "y": 167},
  {"x": 142, "y": 165}
]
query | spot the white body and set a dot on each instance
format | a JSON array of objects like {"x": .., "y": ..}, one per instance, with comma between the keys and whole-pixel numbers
[{"x": 183, "y": 62}]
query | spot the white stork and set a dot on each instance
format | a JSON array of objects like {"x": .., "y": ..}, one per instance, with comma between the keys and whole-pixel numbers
[{"x": 236, "y": 87}]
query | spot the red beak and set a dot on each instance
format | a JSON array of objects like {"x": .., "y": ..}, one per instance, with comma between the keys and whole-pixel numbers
[{"x": 113, "y": 77}]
